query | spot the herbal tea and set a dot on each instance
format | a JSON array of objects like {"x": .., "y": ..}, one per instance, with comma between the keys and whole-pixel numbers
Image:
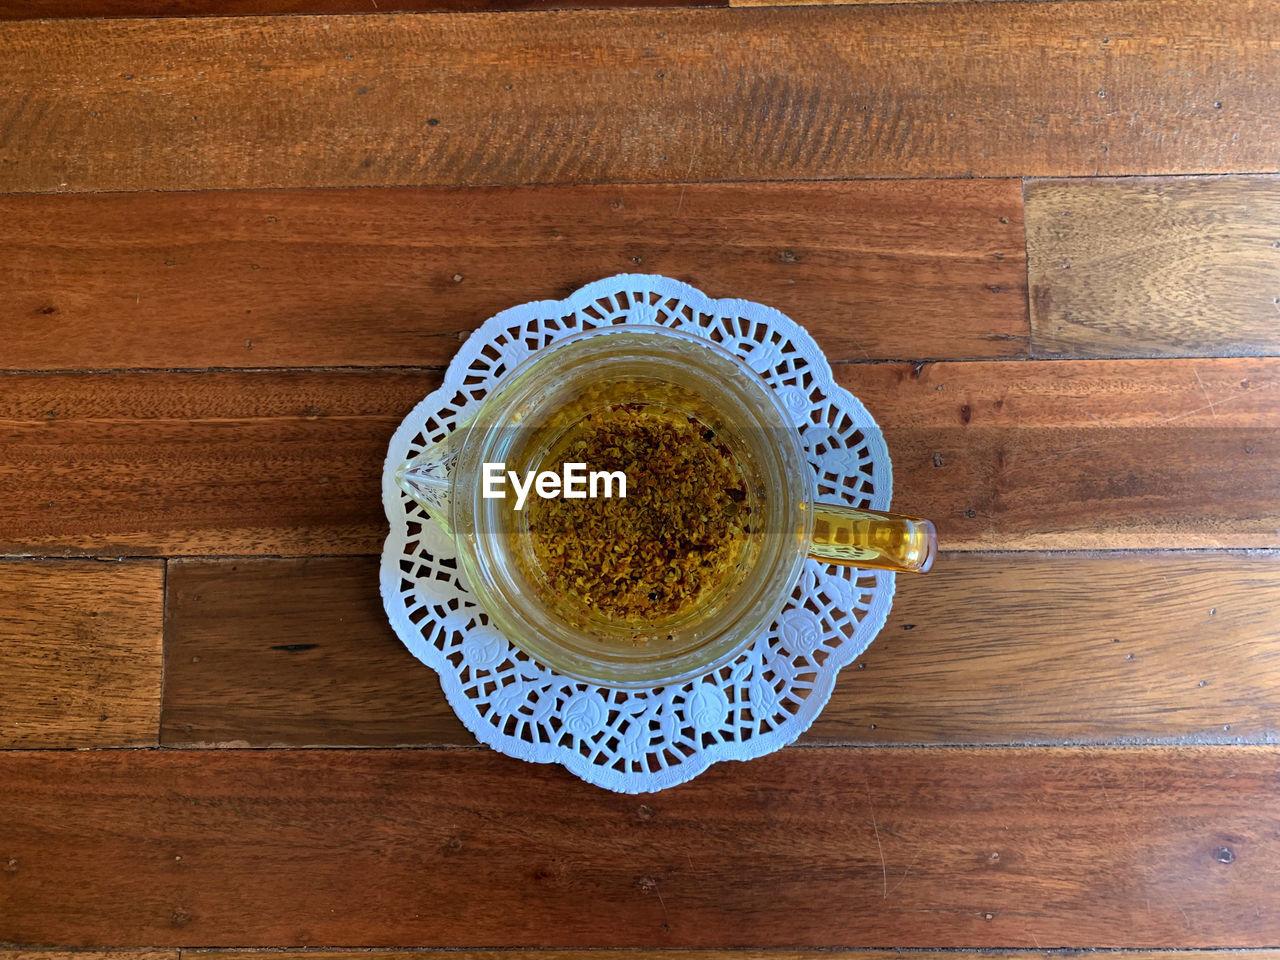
[
  {"x": 675, "y": 541},
  {"x": 701, "y": 554}
]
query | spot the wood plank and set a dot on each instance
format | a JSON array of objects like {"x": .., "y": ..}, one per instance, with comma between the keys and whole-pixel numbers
[
  {"x": 677, "y": 954},
  {"x": 1155, "y": 267},
  {"x": 1132, "y": 847},
  {"x": 30, "y": 9},
  {"x": 281, "y": 462},
  {"x": 1069, "y": 455},
  {"x": 80, "y": 653},
  {"x": 807, "y": 3},
  {"x": 243, "y": 670},
  {"x": 1152, "y": 647},
  {"x": 1053, "y": 648},
  {"x": 643, "y": 96},
  {"x": 875, "y": 269},
  {"x": 1108, "y": 454}
]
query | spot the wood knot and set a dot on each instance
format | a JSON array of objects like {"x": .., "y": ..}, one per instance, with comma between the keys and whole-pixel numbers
[
  {"x": 644, "y": 813},
  {"x": 1224, "y": 855}
]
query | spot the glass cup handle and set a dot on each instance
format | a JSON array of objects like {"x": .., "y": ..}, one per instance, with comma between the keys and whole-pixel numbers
[{"x": 870, "y": 538}]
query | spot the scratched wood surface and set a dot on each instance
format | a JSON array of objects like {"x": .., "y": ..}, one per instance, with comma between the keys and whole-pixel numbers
[
  {"x": 1134, "y": 847},
  {"x": 241, "y": 674},
  {"x": 878, "y": 269},
  {"x": 1083, "y": 454},
  {"x": 30, "y": 9},
  {"x": 1102, "y": 454},
  {"x": 239, "y": 248},
  {"x": 1152, "y": 267},
  {"x": 675, "y": 954},
  {"x": 47, "y": 9},
  {"x": 80, "y": 653},
  {"x": 909, "y": 90},
  {"x": 275, "y": 463},
  {"x": 1171, "y": 647}
]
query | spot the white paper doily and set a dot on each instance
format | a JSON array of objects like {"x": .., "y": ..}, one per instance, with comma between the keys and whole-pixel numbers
[{"x": 627, "y": 740}]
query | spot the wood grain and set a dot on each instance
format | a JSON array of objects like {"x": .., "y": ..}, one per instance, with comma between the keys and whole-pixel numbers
[
  {"x": 1107, "y": 454},
  {"x": 806, "y": 3},
  {"x": 1052, "y": 648},
  {"x": 80, "y": 653},
  {"x": 989, "y": 648},
  {"x": 1070, "y": 455},
  {"x": 880, "y": 269},
  {"x": 274, "y": 463},
  {"x": 30, "y": 9},
  {"x": 1131, "y": 847},
  {"x": 240, "y": 672},
  {"x": 1155, "y": 267},
  {"x": 642, "y": 96},
  {"x": 730, "y": 954}
]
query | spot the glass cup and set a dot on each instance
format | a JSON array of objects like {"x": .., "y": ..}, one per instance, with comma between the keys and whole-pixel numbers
[{"x": 518, "y": 423}]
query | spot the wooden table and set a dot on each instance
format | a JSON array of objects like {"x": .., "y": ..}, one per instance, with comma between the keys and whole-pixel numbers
[{"x": 1040, "y": 240}]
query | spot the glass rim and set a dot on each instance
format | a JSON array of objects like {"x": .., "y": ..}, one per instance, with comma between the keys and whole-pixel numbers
[{"x": 486, "y": 561}]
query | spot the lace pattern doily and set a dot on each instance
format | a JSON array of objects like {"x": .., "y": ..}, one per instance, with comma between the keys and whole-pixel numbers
[{"x": 635, "y": 741}]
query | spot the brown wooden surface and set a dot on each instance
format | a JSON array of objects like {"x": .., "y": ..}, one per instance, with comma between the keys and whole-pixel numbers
[
  {"x": 731, "y": 954},
  {"x": 1141, "y": 847},
  {"x": 80, "y": 654},
  {"x": 32, "y": 9},
  {"x": 168, "y": 207},
  {"x": 880, "y": 269},
  {"x": 806, "y": 3},
  {"x": 1043, "y": 455},
  {"x": 910, "y": 90},
  {"x": 1154, "y": 267},
  {"x": 989, "y": 648},
  {"x": 281, "y": 462},
  {"x": 240, "y": 672},
  {"x": 1083, "y": 454}
]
